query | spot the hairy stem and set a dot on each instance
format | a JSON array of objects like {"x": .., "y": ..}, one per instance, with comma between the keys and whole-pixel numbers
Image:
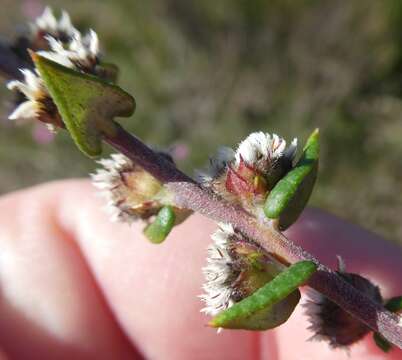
[{"x": 191, "y": 195}]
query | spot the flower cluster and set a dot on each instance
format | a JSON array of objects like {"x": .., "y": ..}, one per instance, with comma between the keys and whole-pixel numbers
[
  {"x": 220, "y": 272},
  {"x": 48, "y": 25},
  {"x": 37, "y": 102},
  {"x": 59, "y": 41},
  {"x": 80, "y": 53},
  {"x": 248, "y": 173},
  {"x": 235, "y": 268},
  {"x": 131, "y": 193},
  {"x": 332, "y": 324}
]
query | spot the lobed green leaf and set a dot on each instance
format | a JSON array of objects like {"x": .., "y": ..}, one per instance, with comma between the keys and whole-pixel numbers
[{"x": 86, "y": 104}]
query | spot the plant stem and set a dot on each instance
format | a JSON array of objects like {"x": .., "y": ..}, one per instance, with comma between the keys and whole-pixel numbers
[{"x": 189, "y": 194}]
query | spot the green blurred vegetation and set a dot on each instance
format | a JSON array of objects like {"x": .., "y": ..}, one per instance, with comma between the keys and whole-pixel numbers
[{"x": 208, "y": 73}]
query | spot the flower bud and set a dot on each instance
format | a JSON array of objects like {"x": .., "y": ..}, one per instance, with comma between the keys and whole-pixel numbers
[
  {"x": 59, "y": 41},
  {"x": 246, "y": 175},
  {"x": 134, "y": 194},
  {"x": 330, "y": 322},
  {"x": 235, "y": 269},
  {"x": 48, "y": 25},
  {"x": 37, "y": 103}
]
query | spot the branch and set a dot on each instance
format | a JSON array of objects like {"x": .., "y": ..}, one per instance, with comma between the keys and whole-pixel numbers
[{"x": 189, "y": 194}]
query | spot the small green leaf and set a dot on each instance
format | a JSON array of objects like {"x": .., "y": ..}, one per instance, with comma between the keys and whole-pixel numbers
[
  {"x": 260, "y": 311},
  {"x": 161, "y": 226},
  {"x": 87, "y": 104},
  {"x": 394, "y": 304},
  {"x": 290, "y": 195},
  {"x": 382, "y": 343}
]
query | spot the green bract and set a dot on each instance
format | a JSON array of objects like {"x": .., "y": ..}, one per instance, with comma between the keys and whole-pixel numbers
[
  {"x": 290, "y": 195},
  {"x": 264, "y": 308},
  {"x": 86, "y": 104},
  {"x": 161, "y": 226},
  {"x": 394, "y": 304},
  {"x": 382, "y": 343}
]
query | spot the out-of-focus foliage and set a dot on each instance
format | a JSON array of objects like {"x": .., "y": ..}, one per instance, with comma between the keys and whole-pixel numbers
[{"x": 206, "y": 73}]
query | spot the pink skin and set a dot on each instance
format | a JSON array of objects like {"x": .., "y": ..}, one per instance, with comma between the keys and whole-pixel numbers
[{"x": 75, "y": 286}]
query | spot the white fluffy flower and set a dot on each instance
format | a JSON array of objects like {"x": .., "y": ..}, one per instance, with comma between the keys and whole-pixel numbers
[
  {"x": 47, "y": 23},
  {"x": 81, "y": 53},
  {"x": 109, "y": 179},
  {"x": 260, "y": 148},
  {"x": 68, "y": 48},
  {"x": 261, "y": 151},
  {"x": 34, "y": 90},
  {"x": 218, "y": 272},
  {"x": 127, "y": 188}
]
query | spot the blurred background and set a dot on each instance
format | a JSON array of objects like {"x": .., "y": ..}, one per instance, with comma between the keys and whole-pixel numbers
[{"x": 207, "y": 73}]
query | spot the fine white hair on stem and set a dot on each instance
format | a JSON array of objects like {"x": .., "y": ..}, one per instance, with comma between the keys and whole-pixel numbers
[{"x": 218, "y": 272}]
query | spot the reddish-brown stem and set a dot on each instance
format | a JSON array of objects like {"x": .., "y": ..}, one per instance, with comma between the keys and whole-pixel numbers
[{"x": 191, "y": 195}]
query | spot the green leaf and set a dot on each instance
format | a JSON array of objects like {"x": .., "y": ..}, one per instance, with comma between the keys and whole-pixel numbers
[
  {"x": 262, "y": 309},
  {"x": 87, "y": 104},
  {"x": 382, "y": 343},
  {"x": 394, "y": 304},
  {"x": 290, "y": 195},
  {"x": 161, "y": 226}
]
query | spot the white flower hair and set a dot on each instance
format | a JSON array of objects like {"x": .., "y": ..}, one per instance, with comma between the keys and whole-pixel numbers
[
  {"x": 261, "y": 151},
  {"x": 48, "y": 24},
  {"x": 78, "y": 52},
  {"x": 81, "y": 53},
  {"x": 129, "y": 190},
  {"x": 218, "y": 272},
  {"x": 34, "y": 90},
  {"x": 259, "y": 148},
  {"x": 108, "y": 181}
]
